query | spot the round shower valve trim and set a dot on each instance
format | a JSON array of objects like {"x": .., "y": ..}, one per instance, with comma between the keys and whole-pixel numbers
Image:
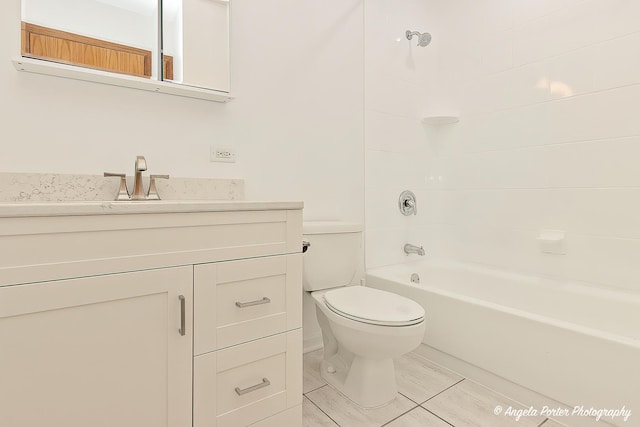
[{"x": 407, "y": 203}]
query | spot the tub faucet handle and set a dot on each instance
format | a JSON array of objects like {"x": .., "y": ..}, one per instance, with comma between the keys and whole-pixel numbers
[{"x": 123, "y": 192}]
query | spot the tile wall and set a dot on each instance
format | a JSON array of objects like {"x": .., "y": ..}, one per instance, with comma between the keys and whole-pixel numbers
[{"x": 548, "y": 94}]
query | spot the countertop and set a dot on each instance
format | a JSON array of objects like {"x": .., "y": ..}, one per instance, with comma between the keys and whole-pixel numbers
[{"x": 40, "y": 209}]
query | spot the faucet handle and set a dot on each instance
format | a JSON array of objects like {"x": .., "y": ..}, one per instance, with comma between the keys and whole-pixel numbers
[
  {"x": 123, "y": 192},
  {"x": 152, "y": 194}
]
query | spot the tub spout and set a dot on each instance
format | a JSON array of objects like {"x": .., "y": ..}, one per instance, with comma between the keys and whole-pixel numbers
[{"x": 412, "y": 249}]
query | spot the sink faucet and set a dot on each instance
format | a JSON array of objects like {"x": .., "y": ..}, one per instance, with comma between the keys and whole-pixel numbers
[
  {"x": 412, "y": 249},
  {"x": 138, "y": 187}
]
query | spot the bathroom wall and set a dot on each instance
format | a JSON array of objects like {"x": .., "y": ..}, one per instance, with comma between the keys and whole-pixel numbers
[
  {"x": 296, "y": 123},
  {"x": 401, "y": 86},
  {"x": 549, "y": 137}
]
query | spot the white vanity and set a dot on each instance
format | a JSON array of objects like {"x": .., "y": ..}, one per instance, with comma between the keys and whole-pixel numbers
[{"x": 151, "y": 314}]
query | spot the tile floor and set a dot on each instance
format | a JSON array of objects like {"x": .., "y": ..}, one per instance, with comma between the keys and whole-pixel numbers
[{"x": 430, "y": 396}]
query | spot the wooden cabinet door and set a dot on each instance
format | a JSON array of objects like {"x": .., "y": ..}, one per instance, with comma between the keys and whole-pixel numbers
[{"x": 98, "y": 351}]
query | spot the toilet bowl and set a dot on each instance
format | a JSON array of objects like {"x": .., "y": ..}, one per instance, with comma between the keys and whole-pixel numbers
[
  {"x": 363, "y": 329},
  {"x": 358, "y": 354}
]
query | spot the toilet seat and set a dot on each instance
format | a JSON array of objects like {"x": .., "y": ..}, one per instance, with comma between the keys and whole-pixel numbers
[{"x": 374, "y": 306}]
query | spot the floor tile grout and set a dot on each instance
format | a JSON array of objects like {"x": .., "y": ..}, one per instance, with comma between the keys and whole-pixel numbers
[
  {"x": 543, "y": 422},
  {"x": 438, "y": 394},
  {"x": 310, "y": 391},
  {"x": 401, "y": 415},
  {"x": 436, "y": 415},
  {"x": 320, "y": 409}
]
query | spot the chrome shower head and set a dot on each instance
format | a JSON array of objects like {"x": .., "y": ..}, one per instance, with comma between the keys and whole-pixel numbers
[{"x": 423, "y": 38}]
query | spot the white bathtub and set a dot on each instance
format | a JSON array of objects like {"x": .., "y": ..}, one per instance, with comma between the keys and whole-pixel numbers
[{"x": 574, "y": 343}]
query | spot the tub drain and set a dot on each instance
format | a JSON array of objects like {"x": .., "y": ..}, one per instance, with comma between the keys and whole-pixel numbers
[{"x": 415, "y": 278}]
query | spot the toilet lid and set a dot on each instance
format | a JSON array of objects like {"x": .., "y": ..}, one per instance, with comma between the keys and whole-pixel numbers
[{"x": 374, "y": 306}]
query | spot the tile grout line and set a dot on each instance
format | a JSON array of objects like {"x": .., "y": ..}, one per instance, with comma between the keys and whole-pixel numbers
[
  {"x": 438, "y": 416},
  {"x": 438, "y": 394},
  {"x": 305, "y": 393},
  {"x": 404, "y": 413},
  {"x": 543, "y": 422},
  {"x": 320, "y": 409}
]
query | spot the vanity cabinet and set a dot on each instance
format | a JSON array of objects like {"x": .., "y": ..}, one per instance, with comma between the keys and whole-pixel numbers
[
  {"x": 133, "y": 318},
  {"x": 103, "y": 350}
]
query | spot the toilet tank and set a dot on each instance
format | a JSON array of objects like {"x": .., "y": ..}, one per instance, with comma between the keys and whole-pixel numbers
[{"x": 332, "y": 259}]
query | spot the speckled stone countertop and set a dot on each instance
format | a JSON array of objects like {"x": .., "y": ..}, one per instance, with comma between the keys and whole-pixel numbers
[
  {"x": 27, "y": 194},
  {"x": 46, "y": 187}
]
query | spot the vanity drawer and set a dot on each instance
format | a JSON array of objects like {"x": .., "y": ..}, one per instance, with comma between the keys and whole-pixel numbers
[
  {"x": 244, "y": 384},
  {"x": 240, "y": 301}
]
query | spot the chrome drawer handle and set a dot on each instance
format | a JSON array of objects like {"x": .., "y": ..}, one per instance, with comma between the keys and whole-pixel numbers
[
  {"x": 183, "y": 320},
  {"x": 265, "y": 383},
  {"x": 264, "y": 300}
]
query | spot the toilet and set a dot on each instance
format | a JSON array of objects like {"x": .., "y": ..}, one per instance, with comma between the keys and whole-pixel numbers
[{"x": 363, "y": 329}]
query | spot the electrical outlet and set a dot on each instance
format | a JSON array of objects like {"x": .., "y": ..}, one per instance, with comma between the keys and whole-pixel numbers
[{"x": 223, "y": 154}]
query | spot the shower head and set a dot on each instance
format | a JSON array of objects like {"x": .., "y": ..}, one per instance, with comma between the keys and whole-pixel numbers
[{"x": 423, "y": 38}]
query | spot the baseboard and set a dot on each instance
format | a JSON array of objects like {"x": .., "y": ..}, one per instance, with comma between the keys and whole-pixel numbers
[
  {"x": 505, "y": 387},
  {"x": 312, "y": 343}
]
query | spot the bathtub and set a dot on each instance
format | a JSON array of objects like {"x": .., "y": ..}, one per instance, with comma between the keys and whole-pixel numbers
[{"x": 577, "y": 344}]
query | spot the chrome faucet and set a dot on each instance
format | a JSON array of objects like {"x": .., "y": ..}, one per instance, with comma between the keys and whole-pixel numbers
[
  {"x": 412, "y": 249},
  {"x": 138, "y": 187}
]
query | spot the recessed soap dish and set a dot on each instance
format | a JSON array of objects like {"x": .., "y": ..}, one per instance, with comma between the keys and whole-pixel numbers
[{"x": 440, "y": 120}]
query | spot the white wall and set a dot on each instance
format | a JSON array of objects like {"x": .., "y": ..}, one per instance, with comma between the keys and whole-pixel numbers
[{"x": 549, "y": 138}]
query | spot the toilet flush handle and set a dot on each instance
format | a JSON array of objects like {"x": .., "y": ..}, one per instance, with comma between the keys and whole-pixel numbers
[{"x": 305, "y": 245}]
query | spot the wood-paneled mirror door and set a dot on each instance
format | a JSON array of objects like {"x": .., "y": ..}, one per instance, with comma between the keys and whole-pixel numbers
[{"x": 178, "y": 41}]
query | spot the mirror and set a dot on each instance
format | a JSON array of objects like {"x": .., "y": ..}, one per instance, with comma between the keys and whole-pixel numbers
[
  {"x": 196, "y": 42},
  {"x": 124, "y": 37}
]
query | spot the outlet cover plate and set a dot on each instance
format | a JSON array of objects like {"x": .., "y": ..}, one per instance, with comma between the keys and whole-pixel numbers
[{"x": 222, "y": 154}]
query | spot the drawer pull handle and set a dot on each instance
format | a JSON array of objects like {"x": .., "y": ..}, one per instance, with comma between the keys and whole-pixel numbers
[
  {"x": 264, "y": 300},
  {"x": 265, "y": 383},
  {"x": 183, "y": 319}
]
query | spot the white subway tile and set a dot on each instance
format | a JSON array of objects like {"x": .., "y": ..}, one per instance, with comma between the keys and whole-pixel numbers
[
  {"x": 398, "y": 134},
  {"x": 528, "y": 84},
  {"x": 616, "y": 62},
  {"x": 604, "y": 261},
  {"x": 384, "y": 168},
  {"x": 607, "y": 114},
  {"x": 527, "y": 10},
  {"x": 497, "y": 52},
  {"x": 610, "y": 212},
  {"x": 572, "y": 74},
  {"x": 603, "y": 163},
  {"x": 391, "y": 95},
  {"x": 578, "y": 25}
]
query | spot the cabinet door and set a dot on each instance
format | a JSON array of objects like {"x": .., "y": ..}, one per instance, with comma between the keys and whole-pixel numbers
[{"x": 97, "y": 351}]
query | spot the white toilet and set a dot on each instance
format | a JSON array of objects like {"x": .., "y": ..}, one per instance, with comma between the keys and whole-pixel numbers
[{"x": 363, "y": 329}]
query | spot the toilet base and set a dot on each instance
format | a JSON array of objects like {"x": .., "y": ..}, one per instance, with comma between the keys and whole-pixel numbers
[{"x": 369, "y": 383}]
